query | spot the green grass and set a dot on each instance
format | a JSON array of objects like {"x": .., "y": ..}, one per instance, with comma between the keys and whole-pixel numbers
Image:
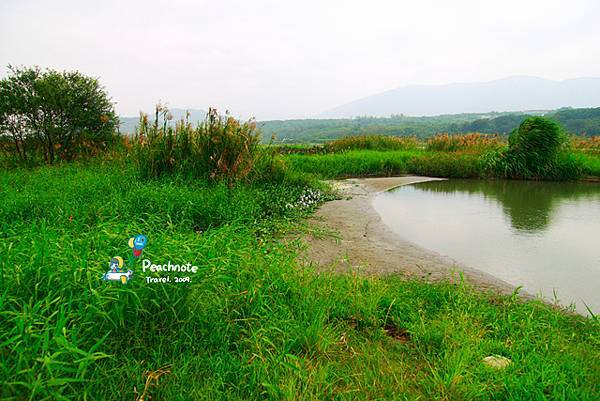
[
  {"x": 591, "y": 164},
  {"x": 352, "y": 164},
  {"x": 365, "y": 163},
  {"x": 538, "y": 150},
  {"x": 253, "y": 324},
  {"x": 372, "y": 142},
  {"x": 377, "y": 163}
]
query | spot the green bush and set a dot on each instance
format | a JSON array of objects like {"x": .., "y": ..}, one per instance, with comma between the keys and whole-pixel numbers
[
  {"x": 538, "y": 149},
  {"x": 51, "y": 115}
]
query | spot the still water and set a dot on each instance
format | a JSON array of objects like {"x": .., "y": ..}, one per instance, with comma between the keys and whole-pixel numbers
[{"x": 540, "y": 235}]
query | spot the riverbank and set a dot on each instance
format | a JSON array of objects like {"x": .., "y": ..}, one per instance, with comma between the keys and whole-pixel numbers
[{"x": 359, "y": 241}]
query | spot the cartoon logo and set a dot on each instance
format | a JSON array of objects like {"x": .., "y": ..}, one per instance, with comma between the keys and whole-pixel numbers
[
  {"x": 138, "y": 243},
  {"x": 117, "y": 271}
]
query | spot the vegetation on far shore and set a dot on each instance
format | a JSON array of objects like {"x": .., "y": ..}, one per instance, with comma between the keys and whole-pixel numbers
[
  {"x": 581, "y": 122},
  {"x": 454, "y": 156},
  {"x": 254, "y": 323}
]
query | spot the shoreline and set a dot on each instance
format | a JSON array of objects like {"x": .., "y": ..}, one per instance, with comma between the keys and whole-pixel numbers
[{"x": 363, "y": 244}]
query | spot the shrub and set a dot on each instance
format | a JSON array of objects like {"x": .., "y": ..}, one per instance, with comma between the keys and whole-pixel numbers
[{"x": 538, "y": 149}]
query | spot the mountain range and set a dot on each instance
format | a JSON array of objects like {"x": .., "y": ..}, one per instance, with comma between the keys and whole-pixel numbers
[
  {"x": 519, "y": 93},
  {"x": 514, "y": 94}
]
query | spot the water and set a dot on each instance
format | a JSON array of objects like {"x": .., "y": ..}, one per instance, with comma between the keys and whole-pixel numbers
[{"x": 539, "y": 235}]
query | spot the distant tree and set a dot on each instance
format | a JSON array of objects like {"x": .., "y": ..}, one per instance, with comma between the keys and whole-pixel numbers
[{"x": 57, "y": 114}]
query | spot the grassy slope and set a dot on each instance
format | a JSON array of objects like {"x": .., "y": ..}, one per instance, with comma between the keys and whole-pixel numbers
[{"x": 252, "y": 324}]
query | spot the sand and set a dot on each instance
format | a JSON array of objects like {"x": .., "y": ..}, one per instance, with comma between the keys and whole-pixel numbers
[{"x": 357, "y": 240}]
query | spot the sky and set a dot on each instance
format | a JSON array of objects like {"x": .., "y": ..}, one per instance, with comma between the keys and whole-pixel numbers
[{"x": 281, "y": 59}]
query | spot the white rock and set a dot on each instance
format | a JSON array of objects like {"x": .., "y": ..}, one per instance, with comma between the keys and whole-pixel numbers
[{"x": 496, "y": 361}]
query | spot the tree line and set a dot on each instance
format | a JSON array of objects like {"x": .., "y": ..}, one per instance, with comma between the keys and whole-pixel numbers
[{"x": 574, "y": 121}]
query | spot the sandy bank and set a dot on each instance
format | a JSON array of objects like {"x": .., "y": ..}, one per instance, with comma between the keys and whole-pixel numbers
[{"x": 362, "y": 243}]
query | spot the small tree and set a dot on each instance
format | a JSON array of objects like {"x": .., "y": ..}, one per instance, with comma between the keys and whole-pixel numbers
[{"x": 58, "y": 114}]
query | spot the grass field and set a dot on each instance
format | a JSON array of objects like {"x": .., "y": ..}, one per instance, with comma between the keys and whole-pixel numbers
[{"x": 252, "y": 324}]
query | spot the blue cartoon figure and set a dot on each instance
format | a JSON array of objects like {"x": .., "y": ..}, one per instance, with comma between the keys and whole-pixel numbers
[
  {"x": 116, "y": 271},
  {"x": 138, "y": 243}
]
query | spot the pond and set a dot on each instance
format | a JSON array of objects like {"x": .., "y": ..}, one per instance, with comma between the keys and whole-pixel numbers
[{"x": 543, "y": 236}]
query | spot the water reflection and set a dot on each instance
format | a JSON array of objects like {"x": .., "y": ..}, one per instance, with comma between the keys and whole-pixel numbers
[
  {"x": 541, "y": 235},
  {"x": 528, "y": 205}
]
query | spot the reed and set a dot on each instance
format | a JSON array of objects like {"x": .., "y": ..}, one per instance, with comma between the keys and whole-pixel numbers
[
  {"x": 221, "y": 148},
  {"x": 586, "y": 144},
  {"x": 472, "y": 142}
]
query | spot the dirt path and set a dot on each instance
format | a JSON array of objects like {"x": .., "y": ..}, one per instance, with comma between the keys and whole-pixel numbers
[{"x": 362, "y": 243}]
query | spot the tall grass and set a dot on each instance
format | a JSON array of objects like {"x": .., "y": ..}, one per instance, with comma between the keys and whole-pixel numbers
[
  {"x": 219, "y": 149},
  {"x": 350, "y": 143},
  {"x": 253, "y": 324},
  {"x": 590, "y": 164},
  {"x": 473, "y": 142},
  {"x": 371, "y": 142},
  {"x": 357, "y": 163},
  {"x": 447, "y": 165}
]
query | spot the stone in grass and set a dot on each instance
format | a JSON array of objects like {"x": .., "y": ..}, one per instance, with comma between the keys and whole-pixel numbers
[{"x": 496, "y": 361}]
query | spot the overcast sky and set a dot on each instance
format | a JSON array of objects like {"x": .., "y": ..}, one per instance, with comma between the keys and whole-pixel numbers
[{"x": 287, "y": 59}]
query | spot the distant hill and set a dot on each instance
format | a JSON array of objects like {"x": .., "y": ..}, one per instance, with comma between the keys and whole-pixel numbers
[
  {"x": 515, "y": 93},
  {"x": 127, "y": 124}
]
